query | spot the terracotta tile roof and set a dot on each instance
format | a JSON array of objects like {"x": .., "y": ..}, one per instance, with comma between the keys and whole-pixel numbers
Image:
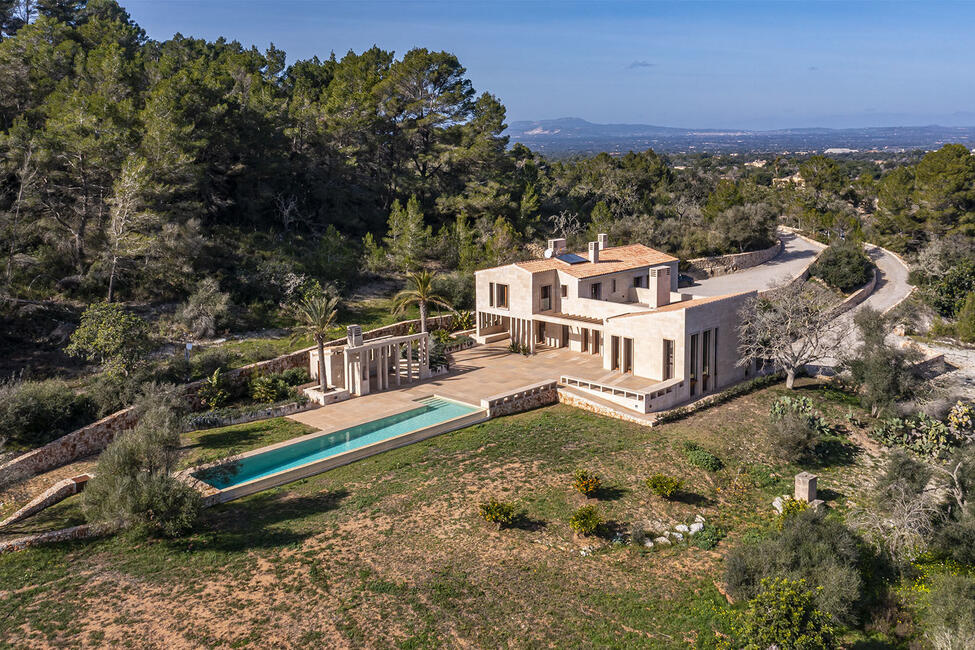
[
  {"x": 684, "y": 304},
  {"x": 611, "y": 260}
]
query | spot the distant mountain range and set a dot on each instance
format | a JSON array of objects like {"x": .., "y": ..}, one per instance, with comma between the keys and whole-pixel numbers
[{"x": 572, "y": 135}]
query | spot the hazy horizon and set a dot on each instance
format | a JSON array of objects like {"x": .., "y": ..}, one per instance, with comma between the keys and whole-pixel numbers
[{"x": 693, "y": 65}]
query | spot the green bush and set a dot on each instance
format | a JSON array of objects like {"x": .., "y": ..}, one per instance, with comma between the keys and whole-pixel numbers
[
  {"x": 921, "y": 434},
  {"x": 791, "y": 508},
  {"x": 812, "y": 547},
  {"x": 133, "y": 487},
  {"x": 586, "y": 482},
  {"x": 965, "y": 327},
  {"x": 502, "y": 513},
  {"x": 665, "y": 486},
  {"x": 843, "y": 266},
  {"x": 708, "y": 537},
  {"x": 951, "y": 613},
  {"x": 795, "y": 430},
  {"x": 212, "y": 392},
  {"x": 701, "y": 457},
  {"x": 296, "y": 376},
  {"x": 33, "y": 413},
  {"x": 269, "y": 389},
  {"x": 586, "y": 520},
  {"x": 782, "y": 615},
  {"x": 204, "y": 363}
]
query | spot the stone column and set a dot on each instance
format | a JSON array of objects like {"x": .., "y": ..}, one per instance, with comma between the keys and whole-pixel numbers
[
  {"x": 805, "y": 487},
  {"x": 396, "y": 362}
]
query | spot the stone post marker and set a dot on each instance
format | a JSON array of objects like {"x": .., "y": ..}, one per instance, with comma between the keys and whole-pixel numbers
[{"x": 805, "y": 487}]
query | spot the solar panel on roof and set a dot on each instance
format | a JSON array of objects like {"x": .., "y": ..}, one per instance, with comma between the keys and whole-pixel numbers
[{"x": 572, "y": 258}]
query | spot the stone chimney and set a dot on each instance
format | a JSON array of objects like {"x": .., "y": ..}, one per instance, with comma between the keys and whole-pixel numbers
[
  {"x": 353, "y": 335},
  {"x": 659, "y": 286},
  {"x": 557, "y": 246},
  {"x": 593, "y": 252},
  {"x": 603, "y": 240}
]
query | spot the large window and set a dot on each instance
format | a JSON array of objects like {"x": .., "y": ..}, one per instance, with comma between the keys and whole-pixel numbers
[
  {"x": 596, "y": 290},
  {"x": 502, "y": 298},
  {"x": 639, "y": 281},
  {"x": 668, "y": 359},
  {"x": 693, "y": 374}
]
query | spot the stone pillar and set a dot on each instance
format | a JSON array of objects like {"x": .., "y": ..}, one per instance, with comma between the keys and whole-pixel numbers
[
  {"x": 425, "y": 356},
  {"x": 396, "y": 361},
  {"x": 805, "y": 487}
]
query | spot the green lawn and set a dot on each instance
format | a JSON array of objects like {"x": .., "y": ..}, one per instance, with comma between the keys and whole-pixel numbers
[
  {"x": 208, "y": 445},
  {"x": 390, "y": 552}
]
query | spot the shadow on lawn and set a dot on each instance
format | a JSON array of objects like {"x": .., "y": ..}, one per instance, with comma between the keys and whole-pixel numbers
[
  {"x": 524, "y": 522},
  {"x": 252, "y": 524},
  {"x": 692, "y": 499},
  {"x": 609, "y": 493}
]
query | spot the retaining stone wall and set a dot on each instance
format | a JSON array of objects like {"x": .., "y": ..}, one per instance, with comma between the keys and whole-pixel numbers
[
  {"x": 709, "y": 267},
  {"x": 84, "y": 531},
  {"x": 96, "y": 436},
  {"x": 72, "y": 446},
  {"x": 54, "y": 494}
]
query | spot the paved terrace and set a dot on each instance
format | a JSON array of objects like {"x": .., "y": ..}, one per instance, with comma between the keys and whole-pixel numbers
[{"x": 475, "y": 373}]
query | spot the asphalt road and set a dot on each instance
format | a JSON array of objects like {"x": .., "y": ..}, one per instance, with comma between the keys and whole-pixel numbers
[{"x": 796, "y": 255}]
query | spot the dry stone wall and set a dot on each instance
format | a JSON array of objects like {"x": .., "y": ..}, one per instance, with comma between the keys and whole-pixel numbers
[
  {"x": 96, "y": 436},
  {"x": 709, "y": 267}
]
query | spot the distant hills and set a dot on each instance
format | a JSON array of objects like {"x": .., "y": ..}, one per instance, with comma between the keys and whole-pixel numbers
[{"x": 573, "y": 135}]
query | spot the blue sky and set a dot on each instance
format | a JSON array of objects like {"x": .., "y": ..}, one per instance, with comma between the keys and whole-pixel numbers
[{"x": 718, "y": 64}]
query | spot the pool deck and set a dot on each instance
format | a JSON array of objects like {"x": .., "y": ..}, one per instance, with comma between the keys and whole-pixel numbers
[{"x": 475, "y": 373}]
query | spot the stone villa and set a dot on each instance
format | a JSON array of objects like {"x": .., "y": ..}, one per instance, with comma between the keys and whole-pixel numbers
[{"x": 658, "y": 347}]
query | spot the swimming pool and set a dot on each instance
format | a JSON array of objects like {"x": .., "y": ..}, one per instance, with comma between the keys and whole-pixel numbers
[{"x": 306, "y": 456}]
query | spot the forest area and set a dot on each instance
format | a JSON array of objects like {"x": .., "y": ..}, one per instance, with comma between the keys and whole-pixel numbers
[{"x": 163, "y": 175}]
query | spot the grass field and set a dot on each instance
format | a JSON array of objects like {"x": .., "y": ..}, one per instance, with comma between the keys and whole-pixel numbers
[{"x": 390, "y": 552}]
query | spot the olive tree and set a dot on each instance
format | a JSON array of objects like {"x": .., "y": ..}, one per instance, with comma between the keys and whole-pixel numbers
[
  {"x": 133, "y": 487},
  {"x": 788, "y": 330},
  {"x": 111, "y": 336}
]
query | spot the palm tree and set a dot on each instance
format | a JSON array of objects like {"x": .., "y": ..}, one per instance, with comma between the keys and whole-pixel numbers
[
  {"x": 421, "y": 293},
  {"x": 316, "y": 317}
]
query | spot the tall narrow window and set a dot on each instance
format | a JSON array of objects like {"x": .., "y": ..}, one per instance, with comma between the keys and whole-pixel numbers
[
  {"x": 546, "y": 297},
  {"x": 565, "y": 290},
  {"x": 614, "y": 285},
  {"x": 491, "y": 295},
  {"x": 596, "y": 341},
  {"x": 705, "y": 360},
  {"x": 585, "y": 339},
  {"x": 693, "y": 374},
  {"x": 502, "y": 296},
  {"x": 596, "y": 290},
  {"x": 668, "y": 359}
]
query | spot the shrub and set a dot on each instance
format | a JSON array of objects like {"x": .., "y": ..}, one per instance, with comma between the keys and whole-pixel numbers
[
  {"x": 783, "y": 615},
  {"x": 843, "y": 266},
  {"x": 33, "y": 413},
  {"x": 586, "y": 520},
  {"x": 810, "y": 546},
  {"x": 586, "y": 482},
  {"x": 296, "y": 376},
  {"x": 701, "y": 457},
  {"x": 133, "y": 486},
  {"x": 921, "y": 434},
  {"x": 212, "y": 392},
  {"x": 502, "y": 513},
  {"x": 204, "y": 363},
  {"x": 791, "y": 508},
  {"x": 951, "y": 613},
  {"x": 204, "y": 309},
  {"x": 708, "y": 537},
  {"x": 965, "y": 327},
  {"x": 795, "y": 429},
  {"x": 665, "y": 486},
  {"x": 269, "y": 388}
]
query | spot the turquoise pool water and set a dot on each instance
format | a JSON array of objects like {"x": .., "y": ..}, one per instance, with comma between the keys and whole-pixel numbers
[{"x": 434, "y": 411}]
